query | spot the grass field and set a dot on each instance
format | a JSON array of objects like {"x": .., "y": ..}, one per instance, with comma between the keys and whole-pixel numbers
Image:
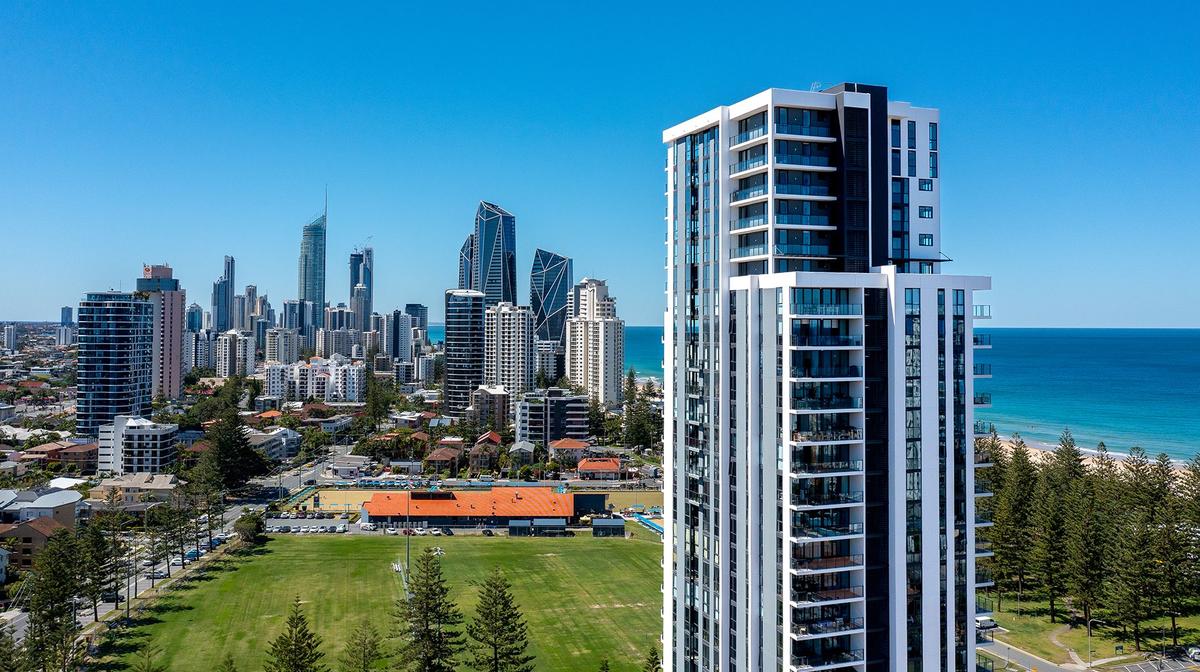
[{"x": 584, "y": 598}]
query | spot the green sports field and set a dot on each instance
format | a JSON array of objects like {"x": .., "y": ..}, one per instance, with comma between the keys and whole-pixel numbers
[{"x": 584, "y": 598}]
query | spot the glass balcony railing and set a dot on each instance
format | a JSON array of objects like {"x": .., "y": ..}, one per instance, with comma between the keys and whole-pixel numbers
[
  {"x": 983, "y": 456},
  {"x": 827, "y": 309},
  {"x": 814, "y": 131},
  {"x": 983, "y": 398},
  {"x": 827, "y": 467},
  {"x": 825, "y": 530},
  {"x": 826, "y": 372},
  {"x": 748, "y": 251},
  {"x": 823, "y": 564},
  {"x": 838, "y": 434},
  {"x": 827, "y": 626},
  {"x": 981, "y": 311},
  {"x": 748, "y": 164},
  {"x": 827, "y": 498},
  {"x": 982, "y": 428},
  {"x": 983, "y": 577},
  {"x": 984, "y": 637},
  {"x": 747, "y": 136},
  {"x": 826, "y": 594},
  {"x": 802, "y": 220},
  {"x": 748, "y": 192},
  {"x": 984, "y": 664},
  {"x": 983, "y": 547},
  {"x": 982, "y": 369},
  {"x": 747, "y": 222},
  {"x": 826, "y": 404},
  {"x": 983, "y": 605},
  {"x": 802, "y": 250},
  {"x": 982, "y": 487},
  {"x": 838, "y": 341},
  {"x": 802, "y": 189},
  {"x": 803, "y": 159},
  {"x": 981, "y": 340}
]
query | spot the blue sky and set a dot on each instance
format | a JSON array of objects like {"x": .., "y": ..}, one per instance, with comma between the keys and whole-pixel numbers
[{"x": 146, "y": 132}]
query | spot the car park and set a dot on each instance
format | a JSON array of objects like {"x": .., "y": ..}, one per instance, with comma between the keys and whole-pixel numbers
[{"x": 390, "y": 530}]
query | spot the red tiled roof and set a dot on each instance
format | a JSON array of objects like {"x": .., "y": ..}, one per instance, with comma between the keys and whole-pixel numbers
[
  {"x": 267, "y": 415},
  {"x": 490, "y": 437},
  {"x": 569, "y": 444},
  {"x": 81, "y": 448},
  {"x": 599, "y": 464},
  {"x": 498, "y": 502},
  {"x": 45, "y": 526},
  {"x": 444, "y": 454},
  {"x": 420, "y": 436}
]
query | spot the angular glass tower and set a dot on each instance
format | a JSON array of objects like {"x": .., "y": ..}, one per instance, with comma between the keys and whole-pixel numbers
[
  {"x": 222, "y": 298},
  {"x": 362, "y": 272},
  {"x": 312, "y": 266},
  {"x": 494, "y": 261},
  {"x": 466, "y": 269},
  {"x": 549, "y": 284}
]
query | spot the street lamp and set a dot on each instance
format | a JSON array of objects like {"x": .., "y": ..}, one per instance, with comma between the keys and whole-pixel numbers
[{"x": 1089, "y": 638}]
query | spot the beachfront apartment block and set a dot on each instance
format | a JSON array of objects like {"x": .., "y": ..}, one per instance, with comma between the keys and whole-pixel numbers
[{"x": 820, "y": 490}]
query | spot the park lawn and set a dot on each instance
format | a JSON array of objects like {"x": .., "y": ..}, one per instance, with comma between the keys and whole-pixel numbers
[
  {"x": 584, "y": 598},
  {"x": 622, "y": 499}
]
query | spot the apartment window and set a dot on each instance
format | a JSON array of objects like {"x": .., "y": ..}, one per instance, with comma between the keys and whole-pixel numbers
[
  {"x": 926, "y": 240},
  {"x": 896, "y": 162},
  {"x": 912, "y": 163},
  {"x": 895, "y": 133},
  {"x": 932, "y": 137},
  {"x": 925, "y": 184},
  {"x": 912, "y": 135},
  {"x": 933, "y": 168},
  {"x": 925, "y": 211}
]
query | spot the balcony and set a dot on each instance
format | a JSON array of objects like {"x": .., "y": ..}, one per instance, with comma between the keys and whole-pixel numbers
[
  {"x": 748, "y": 251},
  {"x": 809, "y": 597},
  {"x": 981, "y": 340},
  {"x": 982, "y": 520},
  {"x": 822, "y": 499},
  {"x": 982, "y": 428},
  {"x": 801, "y": 189},
  {"x": 982, "y": 488},
  {"x": 984, "y": 664},
  {"x": 983, "y": 605},
  {"x": 813, "y": 565},
  {"x": 983, "y": 399},
  {"x": 824, "y": 372},
  {"x": 983, "y": 578},
  {"x": 748, "y": 164},
  {"x": 984, "y": 549},
  {"x": 802, "y": 220},
  {"x": 810, "y": 131},
  {"x": 837, "y": 341},
  {"x": 747, "y": 222},
  {"x": 826, "y": 468},
  {"x": 749, "y": 135},
  {"x": 982, "y": 370},
  {"x": 827, "y": 404},
  {"x": 812, "y": 531},
  {"x": 984, "y": 637},
  {"x": 825, "y": 626},
  {"x": 748, "y": 193},
  {"x": 981, "y": 311},
  {"x": 802, "y": 250},
  {"x": 827, "y": 309},
  {"x": 830, "y": 660},
  {"x": 984, "y": 457},
  {"x": 826, "y": 435},
  {"x": 803, "y": 160}
]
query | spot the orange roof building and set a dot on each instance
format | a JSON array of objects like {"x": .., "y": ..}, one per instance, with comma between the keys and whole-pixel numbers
[{"x": 469, "y": 507}]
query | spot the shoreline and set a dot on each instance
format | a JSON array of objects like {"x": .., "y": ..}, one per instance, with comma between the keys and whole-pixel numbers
[{"x": 1041, "y": 449}]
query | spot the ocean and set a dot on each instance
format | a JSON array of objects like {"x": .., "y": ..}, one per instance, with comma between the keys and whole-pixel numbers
[{"x": 1125, "y": 387}]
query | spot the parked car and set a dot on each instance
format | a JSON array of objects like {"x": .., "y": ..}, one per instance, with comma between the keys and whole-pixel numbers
[
  {"x": 391, "y": 531},
  {"x": 421, "y": 531},
  {"x": 178, "y": 562},
  {"x": 147, "y": 563},
  {"x": 488, "y": 533},
  {"x": 984, "y": 623},
  {"x": 448, "y": 532},
  {"x": 111, "y": 596},
  {"x": 1193, "y": 652},
  {"x": 159, "y": 574},
  {"x": 342, "y": 529}
]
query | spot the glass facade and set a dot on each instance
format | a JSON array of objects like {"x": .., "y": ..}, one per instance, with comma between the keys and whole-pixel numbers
[
  {"x": 464, "y": 348},
  {"x": 550, "y": 282},
  {"x": 115, "y": 359},
  {"x": 312, "y": 268},
  {"x": 494, "y": 257}
]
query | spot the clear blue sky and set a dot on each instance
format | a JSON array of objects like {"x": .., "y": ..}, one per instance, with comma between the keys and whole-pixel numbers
[{"x": 146, "y": 132}]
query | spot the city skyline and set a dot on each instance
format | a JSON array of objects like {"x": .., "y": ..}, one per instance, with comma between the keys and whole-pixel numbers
[{"x": 103, "y": 110}]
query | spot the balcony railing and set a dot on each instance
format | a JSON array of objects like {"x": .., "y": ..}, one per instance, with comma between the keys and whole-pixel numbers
[
  {"x": 828, "y": 498},
  {"x": 802, "y": 159},
  {"x": 984, "y": 664},
  {"x": 983, "y": 605},
  {"x": 826, "y": 594},
  {"x": 748, "y": 164},
  {"x": 802, "y": 220},
  {"x": 982, "y": 487},
  {"x": 829, "y": 467},
  {"x": 982, "y": 428},
  {"x": 748, "y": 192},
  {"x": 810, "y": 531},
  {"x": 827, "y": 309},
  {"x": 830, "y": 658},
  {"x": 827, "y": 404},
  {"x": 748, "y": 251},
  {"x": 846, "y": 340},
  {"x": 813, "y": 131},
  {"x": 984, "y": 637},
  {"x": 983, "y": 547},
  {"x": 826, "y": 372},
  {"x": 983, "y": 577},
  {"x": 827, "y": 626},
  {"x": 802, "y": 250},
  {"x": 747, "y": 222},
  {"x": 840, "y": 434},
  {"x": 982, "y": 369},
  {"x": 983, "y": 456},
  {"x": 981, "y": 311},
  {"x": 748, "y": 135},
  {"x": 983, "y": 398},
  {"x": 822, "y": 564},
  {"x": 981, "y": 340},
  {"x": 802, "y": 189}
]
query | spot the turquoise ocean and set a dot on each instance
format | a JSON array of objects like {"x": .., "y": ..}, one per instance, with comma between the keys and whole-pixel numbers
[{"x": 1125, "y": 387}]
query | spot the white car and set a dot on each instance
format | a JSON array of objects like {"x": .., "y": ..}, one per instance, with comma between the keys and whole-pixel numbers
[
  {"x": 342, "y": 528},
  {"x": 421, "y": 531},
  {"x": 391, "y": 531},
  {"x": 178, "y": 562},
  {"x": 437, "y": 532}
]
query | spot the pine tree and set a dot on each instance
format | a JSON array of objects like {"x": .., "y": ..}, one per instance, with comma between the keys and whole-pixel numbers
[
  {"x": 604, "y": 665},
  {"x": 1012, "y": 532},
  {"x": 95, "y": 560},
  {"x": 1131, "y": 583},
  {"x": 1048, "y": 531},
  {"x": 296, "y": 649},
  {"x": 429, "y": 620},
  {"x": 227, "y": 664},
  {"x": 11, "y": 657},
  {"x": 147, "y": 661},
  {"x": 230, "y": 454},
  {"x": 363, "y": 649},
  {"x": 51, "y": 638},
  {"x": 653, "y": 661},
  {"x": 1087, "y": 547},
  {"x": 499, "y": 630}
]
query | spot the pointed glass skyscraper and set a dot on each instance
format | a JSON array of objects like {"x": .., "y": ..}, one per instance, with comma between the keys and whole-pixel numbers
[
  {"x": 466, "y": 270},
  {"x": 549, "y": 284},
  {"x": 312, "y": 266},
  {"x": 494, "y": 262}
]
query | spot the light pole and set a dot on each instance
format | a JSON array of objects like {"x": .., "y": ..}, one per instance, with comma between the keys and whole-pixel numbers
[{"x": 1089, "y": 638}]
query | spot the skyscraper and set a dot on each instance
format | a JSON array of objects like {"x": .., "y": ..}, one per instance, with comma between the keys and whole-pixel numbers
[
  {"x": 222, "y": 298},
  {"x": 115, "y": 359},
  {"x": 549, "y": 284},
  {"x": 67, "y": 316},
  {"x": 312, "y": 266},
  {"x": 595, "y": 351},
  {"x": 398, "y": 332},
  {"x": 466, "y": 265},
  {"x": 10, "y": 337},
  {"x": 282, "y": 347},
  {"x": 820, "y": 480},
  {"x": 419, "y": 314},
  {"x": 508, "y": 350},
  {"x": 234, "y": 354},
  {"x": 494, "y": 257},
  {"x": 362, "y": 272},
  {"x": 194, "y": 318},
  {"x": 464, "y": 348},
  {"x": 359, "y": 307},
  {"x": 166, "y": 301}
]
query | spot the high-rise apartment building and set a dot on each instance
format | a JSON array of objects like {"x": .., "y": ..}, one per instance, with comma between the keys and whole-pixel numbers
[
  {"x": 550, "y": 283},
  {"x": 234, "y": 354},
  {"x": 595, "y": 353},
  {"x": 508, "y": 350},
  {"x": 115, "y": 359},
  {"x": 398, "y": 340},
  {"x": 166, "y": 301},
  {"x": 331, "y": 342},
  {"x": 10, "y": 337},
  {"x": 133, "y": 445},
  {"x": 64, "y": 336},
  {"x": 551, "y": 414},
  {"x": 193, "y": 319},
  {"x": 222, "y": 298},
  {"x": 464, "y": 348},
  {"x": 340, "y": 317},
  {"x": 360, "y": 308},
  {"x": 199, "y": 350},
  {"x": 283, "y": 346},
  {"x": 466, "y": 265},
  {"x": 820, "y": 489},
  {"x": 419, "y": 314},
  {"x": 312, "y": 266},
  {"x": 362, "y": 272},
  {"x": 67, "y": 316},
  {"x": 333, "y": 379},
  {"x": 494, "y": 260},
  {"x": 301, "y": 316}
]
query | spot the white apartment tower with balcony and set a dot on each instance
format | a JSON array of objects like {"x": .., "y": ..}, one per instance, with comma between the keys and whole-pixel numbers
[
  {"x": 821, "y": 486},
  {"x": 234, "y": 354},
  {"x": 595, "y": 352},
  {"x": 508, "y": 354}
]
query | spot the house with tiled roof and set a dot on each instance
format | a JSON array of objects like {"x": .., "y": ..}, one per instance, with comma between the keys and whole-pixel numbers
[
  {"x": 444, "y": 458},
  {"x": 599, "y": 469},
  {"x": 30, "y": 538},
  {"x": 569, "y": 451}
]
